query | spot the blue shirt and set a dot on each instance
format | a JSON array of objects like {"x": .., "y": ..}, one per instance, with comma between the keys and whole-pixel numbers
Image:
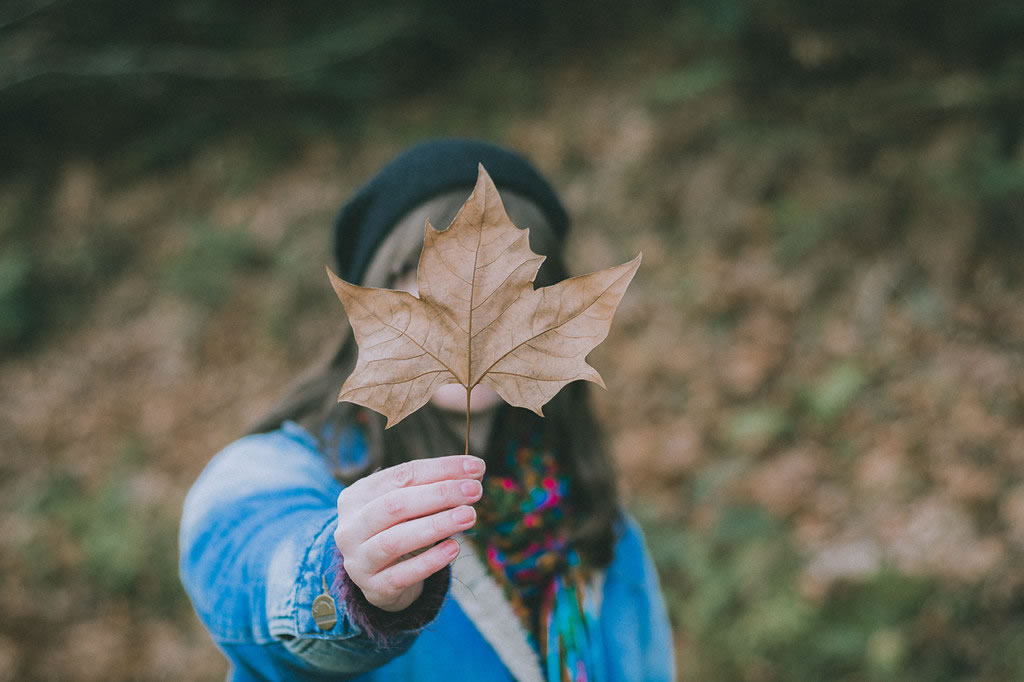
[{"x": 257, "y": 540}]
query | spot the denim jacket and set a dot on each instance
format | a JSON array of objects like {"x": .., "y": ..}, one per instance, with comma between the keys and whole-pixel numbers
[{"x": 257, "y": 545}]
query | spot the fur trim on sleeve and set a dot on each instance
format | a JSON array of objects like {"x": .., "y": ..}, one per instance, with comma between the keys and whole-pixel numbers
[{"x": 380, "y": 625}]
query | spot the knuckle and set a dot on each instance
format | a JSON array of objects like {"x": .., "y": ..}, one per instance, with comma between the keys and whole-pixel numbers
[
  {"x": 434, "y": 561},
  {"x": 439, "y": 524},
  {"x": 394, "y": 506},
  {"x": 456, "y": 467},
  {"x": 355, "y": 571},
  {"x": 391, "y": 581},
  {"x": 446, "y": 493},
  {"x": 403, "y": 473},
  {"x": 352, "y": 488},
  {"x": 372, "y": 591},
  {"x": 343, "y": 499},
  {"x": 387, "y": 546},
  {"x": 350, "y": 496},
  {"x": 362, "y": 519},
  {"x": 344, "y": 536}
]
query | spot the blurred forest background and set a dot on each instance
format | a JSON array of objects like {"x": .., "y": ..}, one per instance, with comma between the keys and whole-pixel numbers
[{"x": 816, "y": 394}]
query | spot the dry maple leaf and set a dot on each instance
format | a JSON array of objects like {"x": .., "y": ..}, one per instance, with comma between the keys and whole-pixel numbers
[{"x": 477, "y": 319}]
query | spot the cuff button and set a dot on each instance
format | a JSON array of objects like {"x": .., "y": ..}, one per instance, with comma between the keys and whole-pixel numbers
[{"x": 325, "y": 613}]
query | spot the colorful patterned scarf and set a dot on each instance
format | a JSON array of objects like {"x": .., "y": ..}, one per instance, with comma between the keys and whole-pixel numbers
[{"x": 523, "y": 535}]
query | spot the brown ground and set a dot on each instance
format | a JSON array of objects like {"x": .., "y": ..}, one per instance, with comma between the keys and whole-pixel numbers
[{"x": 826, "y": 328}]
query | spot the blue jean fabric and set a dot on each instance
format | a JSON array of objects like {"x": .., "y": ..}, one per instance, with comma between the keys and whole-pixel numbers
[{"x": 257, "y": 541}]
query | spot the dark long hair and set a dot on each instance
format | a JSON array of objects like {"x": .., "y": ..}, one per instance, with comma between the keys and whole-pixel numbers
[{"x": 568, "y": 429}]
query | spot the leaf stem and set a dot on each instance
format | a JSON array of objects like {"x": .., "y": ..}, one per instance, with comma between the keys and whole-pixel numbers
[{"x": 468, "y": 391}]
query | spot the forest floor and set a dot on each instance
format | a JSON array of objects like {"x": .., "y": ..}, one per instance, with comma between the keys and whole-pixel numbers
[{"x": 815, "y": 388}]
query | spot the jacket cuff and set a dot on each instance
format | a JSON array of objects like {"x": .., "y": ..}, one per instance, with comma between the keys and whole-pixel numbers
[{"x": 384, "y": 626}]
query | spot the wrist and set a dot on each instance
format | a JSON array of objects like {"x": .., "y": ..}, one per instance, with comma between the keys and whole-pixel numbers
[
  {"x": 403, "y": 601},
  {"x": 381, "y": 625}
]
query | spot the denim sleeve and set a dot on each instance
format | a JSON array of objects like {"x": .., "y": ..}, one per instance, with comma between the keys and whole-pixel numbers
[{"x": 256, "y": 540}]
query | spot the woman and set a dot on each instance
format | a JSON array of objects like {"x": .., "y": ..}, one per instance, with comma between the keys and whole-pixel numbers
[{"x": 322, "y": 546}]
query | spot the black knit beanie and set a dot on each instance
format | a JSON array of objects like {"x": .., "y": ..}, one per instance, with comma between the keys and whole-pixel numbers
[{"x": 422, "y": 173}]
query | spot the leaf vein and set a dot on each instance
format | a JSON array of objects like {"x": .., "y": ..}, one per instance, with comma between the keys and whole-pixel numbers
[
  {"x": 403, "y": 333},
  {"x": 379, "y": 384},
  {"x": 554, "y": 327}
]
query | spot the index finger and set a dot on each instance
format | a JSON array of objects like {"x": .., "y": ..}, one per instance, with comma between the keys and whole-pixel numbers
[{"x": 422, "y": 471}]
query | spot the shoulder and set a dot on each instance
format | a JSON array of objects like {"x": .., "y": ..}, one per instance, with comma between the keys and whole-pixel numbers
[
  {"x": 629, "y": 535},
  {"x": 631, "y": 561},
  {"x": 265, "y": 464},
  {"x": 636, "y": 624},
  {"x": 289, "y": 451}
]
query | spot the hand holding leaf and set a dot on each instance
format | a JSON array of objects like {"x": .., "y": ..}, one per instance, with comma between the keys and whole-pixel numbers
[{"x": 478, "y": 319}]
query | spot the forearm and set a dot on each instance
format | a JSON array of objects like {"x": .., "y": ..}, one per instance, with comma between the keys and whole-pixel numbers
[{"x": 257, "y": 545}]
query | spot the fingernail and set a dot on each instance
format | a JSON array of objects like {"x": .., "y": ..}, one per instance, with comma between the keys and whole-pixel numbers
[
  {"x": 470, "y": 488},
  {"x": 464, "y": 515},
  {"x": 452, "y": 549},
  {"x": 473, "y": 465}
]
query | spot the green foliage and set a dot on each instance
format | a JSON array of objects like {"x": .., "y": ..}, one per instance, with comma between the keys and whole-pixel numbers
[
  {"x": 845, "y": 120},
  {"x": 111, "y": 539},
  {"x": 44, "y": 279},
  {"x": 712, "y": 480},
  {"x": 732, "y": 597},
  {"x": 802, "y": 233},
  {"x": 186, "y": 71},
  {"x": 758, "y": 425},
  {"x": 17, "y": 315},
  {"x": 203, "y": 269},
  {"x": 1001, "y": 179},
  {"x": 801, "y": 229},
  {"x": 831, "y": 395},
  {"x": 730, "y": 589},
  {"x": 688, "y": 83}
]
